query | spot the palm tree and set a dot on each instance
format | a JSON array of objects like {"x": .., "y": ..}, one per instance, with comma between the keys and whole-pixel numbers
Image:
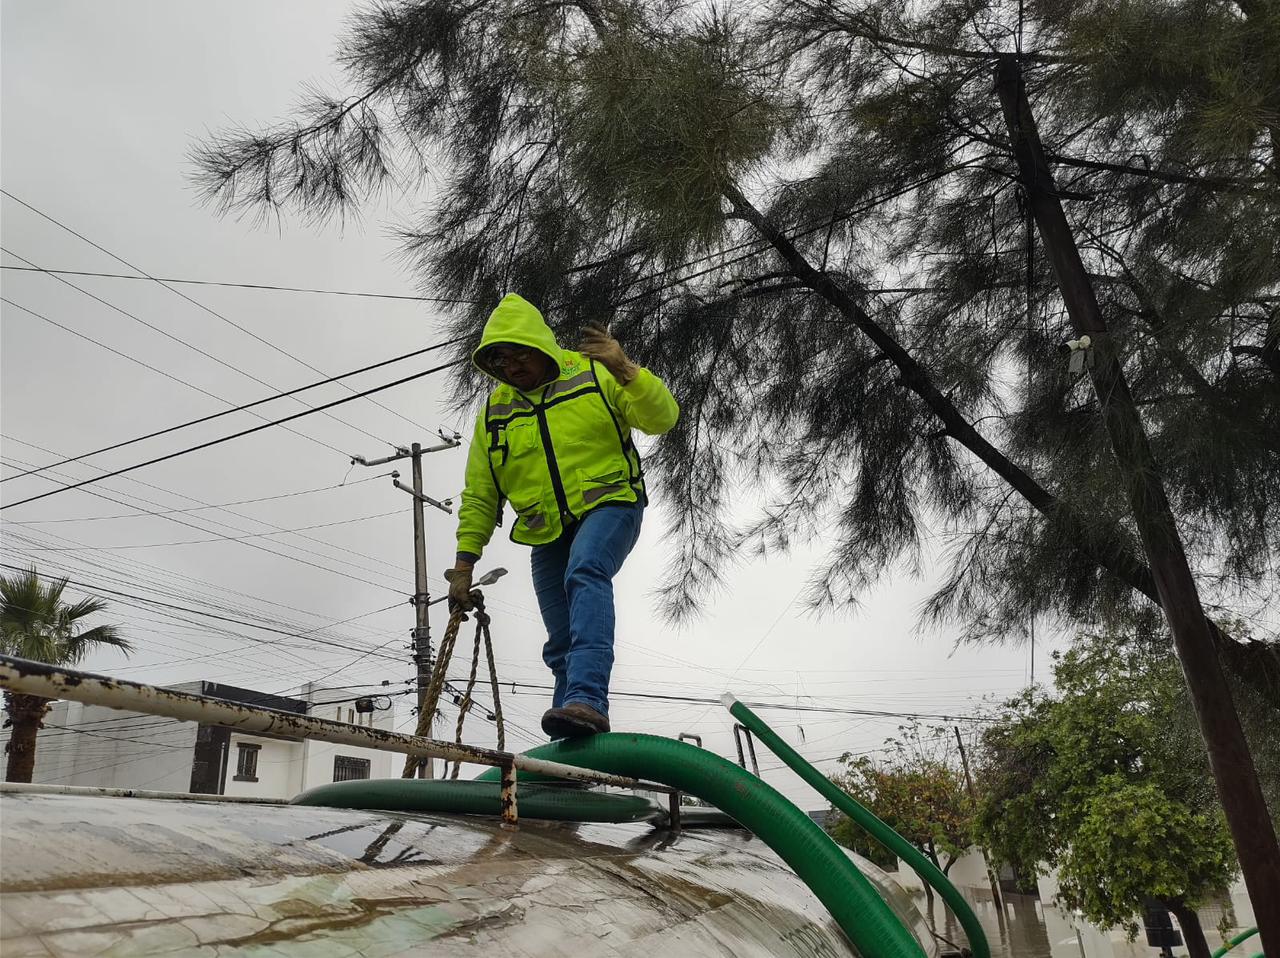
[{"x": 35, "y": 623}]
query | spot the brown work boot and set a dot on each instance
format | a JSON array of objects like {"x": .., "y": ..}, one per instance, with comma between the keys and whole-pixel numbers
[{"x": 574, "y": 721}]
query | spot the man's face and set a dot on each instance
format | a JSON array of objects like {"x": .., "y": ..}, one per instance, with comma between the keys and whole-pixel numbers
[{"x": 521, "y": 366}]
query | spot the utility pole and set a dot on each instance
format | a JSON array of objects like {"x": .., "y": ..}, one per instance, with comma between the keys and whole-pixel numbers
[
  {"x": 1233, "y": 770},
  {"x": 996, "y": 899},
  {"x": 422, "y": 656},
  {"x": 421, "y": 599}
]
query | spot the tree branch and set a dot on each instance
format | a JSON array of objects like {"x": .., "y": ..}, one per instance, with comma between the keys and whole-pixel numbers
[{"x": 1108, "y": 552}]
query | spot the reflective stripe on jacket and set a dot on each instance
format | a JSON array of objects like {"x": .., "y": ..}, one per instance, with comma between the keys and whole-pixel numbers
[{"x": 560, "y": 450}]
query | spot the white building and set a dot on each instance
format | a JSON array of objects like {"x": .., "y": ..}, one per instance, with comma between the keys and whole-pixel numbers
[
  {"x": 95, "y": 746},
  {"x": 1234, "y": 911}
]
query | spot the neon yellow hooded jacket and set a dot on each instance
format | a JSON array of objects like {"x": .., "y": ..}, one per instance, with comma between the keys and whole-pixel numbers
[{"x": 563, "y": 449}]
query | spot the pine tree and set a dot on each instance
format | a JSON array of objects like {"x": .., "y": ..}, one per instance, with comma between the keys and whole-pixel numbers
[
  {"x": 863, "y": 170},
  {"x": 810, "y": 224}
]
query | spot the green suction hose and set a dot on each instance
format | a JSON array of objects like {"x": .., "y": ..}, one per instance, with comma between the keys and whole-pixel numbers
[
  {"x": 885, "y": 835},
  {"x": 852, "y": 900},
  {"x": 547, "y": 802},
  {"x": 1228, "y": 945}
]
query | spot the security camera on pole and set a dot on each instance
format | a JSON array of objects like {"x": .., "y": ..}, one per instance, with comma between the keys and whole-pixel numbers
[{"x": 422, "y": 627}]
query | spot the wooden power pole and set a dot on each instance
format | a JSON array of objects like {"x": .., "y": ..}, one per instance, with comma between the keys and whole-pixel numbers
[
  {"x": 421, "y": 600},
  {"x": 422, "y": 655},
  {"x": 1233, "y": 769}
]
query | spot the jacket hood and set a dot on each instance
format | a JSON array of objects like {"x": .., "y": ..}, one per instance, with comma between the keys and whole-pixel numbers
[{"x": 516, "y": 320}]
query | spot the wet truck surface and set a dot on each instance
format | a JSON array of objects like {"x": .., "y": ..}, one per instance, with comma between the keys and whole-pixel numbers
[{"x": 106, "y": 876}]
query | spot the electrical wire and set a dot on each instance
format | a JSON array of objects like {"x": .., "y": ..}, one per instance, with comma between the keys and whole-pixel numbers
[
  {"x": 759, "y": 247},
  {"x": 258, "y": 546},
  {"x": 155, "y": 573},
  {"x": 237, "y": 435},
  {"x": 221, "y": 362},
  {"x": 221, "y": 505},
  {"x": 252, "y": 535},
  {"x": 225, "y": 412},
  {"x": 262, "y": 548},
  {"x": 154, "y": 369},
  {"x": 111, "y": 738},
  {"x": 697, "y": 700},
  {"x": 101, "y": 591},
  {"x": 194, "y": 302},
  {"x": 262, "y": 286}
]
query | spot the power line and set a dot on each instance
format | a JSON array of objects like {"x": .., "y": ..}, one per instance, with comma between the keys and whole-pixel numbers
[
  {"x": 172, "y": 592},
  {"x": 170, "y": 512},
  {"x": 217, "y": 415},
  {"x": 192, "y": 542},
  {"x": 759, "y": 247},
  {"x": 193, "y": 302},
  {"x": 154, "y": 369},
  {"x": 112, "y": 738},
  {"x": 755, "y": 648},
  {"x": 96, "y": 590},
  {"x": 699, "y": 700},
  {"x": 253, "y": 545},
  {"x": 117, "y": 564},
  {"x": 392, "y": 296},
  {"x": 280, "y": 626},
  {"x": 358, "y": 658},
  {"x": 237, "y": 435},
  {"x": 183, "y": 342},
  {"x": 264, "y": 286},
  {"x": 259, "y": 546},
  {"x": 110, "y": 349},
  {"x": 257, "y": 641},
  {"x": 132, "y": 725}
]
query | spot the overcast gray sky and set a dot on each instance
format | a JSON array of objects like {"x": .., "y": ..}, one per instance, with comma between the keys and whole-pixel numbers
[{"x": 101, "y": 102}]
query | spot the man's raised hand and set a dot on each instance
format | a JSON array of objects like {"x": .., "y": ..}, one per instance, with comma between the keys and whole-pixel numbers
[{"x": 604, "y": 349}]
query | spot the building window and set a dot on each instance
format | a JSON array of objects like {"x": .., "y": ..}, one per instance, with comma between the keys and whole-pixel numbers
[
  {"x": 347, "y": 769},
  {"x": 247, "y": 763}
]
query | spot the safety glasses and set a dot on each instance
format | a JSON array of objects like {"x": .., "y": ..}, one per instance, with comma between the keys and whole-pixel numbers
[{"x": 502, "y": 358}]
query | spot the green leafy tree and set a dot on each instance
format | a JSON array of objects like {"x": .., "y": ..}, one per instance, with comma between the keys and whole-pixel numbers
[
  {"x": 36, "y": 623},
  {"x": 807, "y": 218},
  {"x": 1108, "y": 782},
  {"x": 917, "y": 791},
  {"x": 1109, "y": 866}
]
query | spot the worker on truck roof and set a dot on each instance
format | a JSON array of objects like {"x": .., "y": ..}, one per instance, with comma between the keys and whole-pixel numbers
[{"x": 554, "y": 440}]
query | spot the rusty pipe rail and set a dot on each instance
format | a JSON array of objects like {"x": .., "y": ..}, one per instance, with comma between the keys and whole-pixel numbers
[
  {"x": 55, "y": 682},
  {"x": 27, "y": 788}
]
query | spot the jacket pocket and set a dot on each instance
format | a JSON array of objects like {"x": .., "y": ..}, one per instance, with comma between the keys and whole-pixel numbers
[
  {"x": 597, "y": 487},
  {"x": 522, "y": 436},
  {"x": 515, "y": 440},
  {"x": 535, "y": 524}
]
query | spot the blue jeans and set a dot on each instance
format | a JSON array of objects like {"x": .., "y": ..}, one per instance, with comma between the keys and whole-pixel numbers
[{"x": 573, "y": 579}]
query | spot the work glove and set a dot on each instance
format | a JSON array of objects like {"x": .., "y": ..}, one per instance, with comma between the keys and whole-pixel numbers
[
  {"x": 607, "y": 351},
  {"x": 459, "y": 587}
]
